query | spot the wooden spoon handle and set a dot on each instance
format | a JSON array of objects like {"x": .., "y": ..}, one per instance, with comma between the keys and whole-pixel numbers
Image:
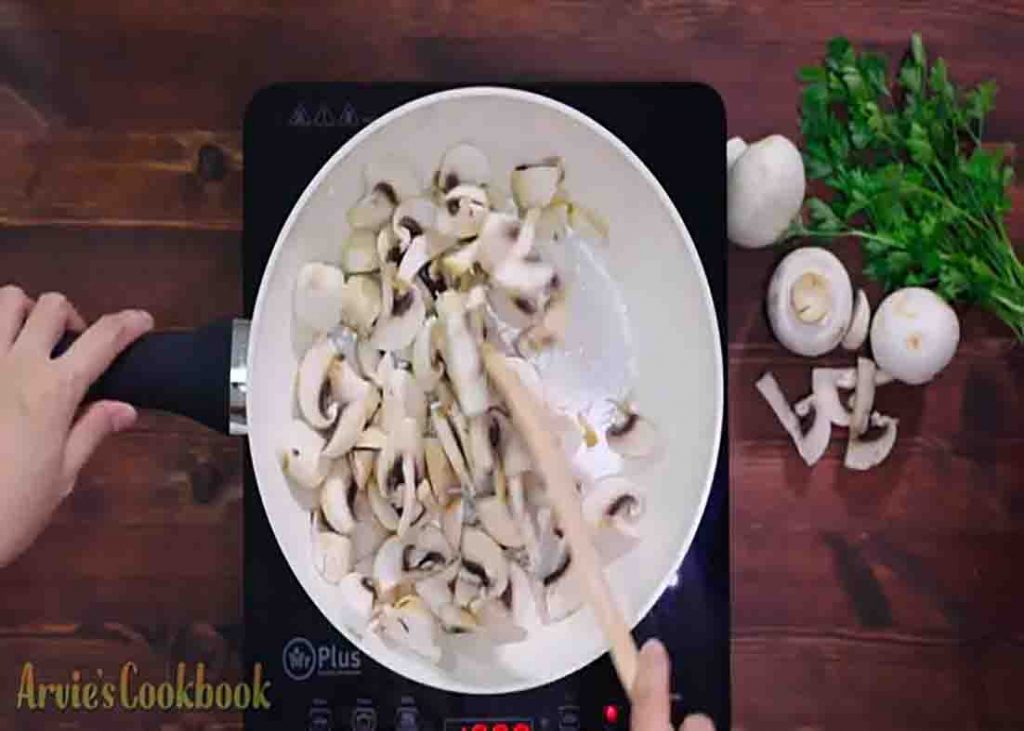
[{"x": 534, "y": 421}]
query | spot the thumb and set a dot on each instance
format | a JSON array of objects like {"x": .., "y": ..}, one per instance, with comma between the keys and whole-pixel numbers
[
  {"x": 99, "y": 421},
  {"x": 651, "y": 711}
]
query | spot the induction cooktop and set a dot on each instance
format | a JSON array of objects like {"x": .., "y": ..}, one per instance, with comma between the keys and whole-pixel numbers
[{"x": 319, "y": 681}]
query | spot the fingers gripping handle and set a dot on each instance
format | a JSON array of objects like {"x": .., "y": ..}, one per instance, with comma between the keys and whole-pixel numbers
[{"x": 185, "y": 372}]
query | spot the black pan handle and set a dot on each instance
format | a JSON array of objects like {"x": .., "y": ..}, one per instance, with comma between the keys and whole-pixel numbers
[{"x": 185, "y": 372}]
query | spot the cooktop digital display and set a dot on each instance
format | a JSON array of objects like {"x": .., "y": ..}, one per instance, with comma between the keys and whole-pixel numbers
[{"x": 320, "y": 681}]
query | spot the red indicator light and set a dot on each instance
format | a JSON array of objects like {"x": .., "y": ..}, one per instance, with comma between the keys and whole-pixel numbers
[{"x": 611, "y": 714}]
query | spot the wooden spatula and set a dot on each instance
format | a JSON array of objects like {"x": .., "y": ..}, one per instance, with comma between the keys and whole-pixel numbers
[{"x": 533, "y": 418}]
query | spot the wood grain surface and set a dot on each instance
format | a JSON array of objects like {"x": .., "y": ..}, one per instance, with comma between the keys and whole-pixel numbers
[{"x": 887, "y": 600}]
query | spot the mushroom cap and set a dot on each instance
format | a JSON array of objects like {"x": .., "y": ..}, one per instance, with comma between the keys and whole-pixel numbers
[
  {"x": 337, "y": 497},
  {"x": 397, "y": 329},
  {"x": 914, "y": 334},
  {"x": 312, "y": 381},
  {"x": 858, "y": 330},
  {"x": 318, "y": 295},
  {"x": 735, "y": 147},
  {"x": 765, "y": 189},
  {"x": 533, "y": 186},
  {"x": 831, "y": 295},
  {"x": 361, "y": 302},
  {"x": 302, "y": 456}
]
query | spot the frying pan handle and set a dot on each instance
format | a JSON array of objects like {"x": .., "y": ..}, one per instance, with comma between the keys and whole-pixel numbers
[{"x": 196, "y": 373}]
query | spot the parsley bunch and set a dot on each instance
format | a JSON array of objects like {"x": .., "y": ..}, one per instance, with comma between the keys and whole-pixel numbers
[{"x": 907, "y": 173}]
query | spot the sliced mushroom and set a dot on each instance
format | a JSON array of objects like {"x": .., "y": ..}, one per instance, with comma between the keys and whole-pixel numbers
[
  {"x": 357, "y": 594},
  {"x": 462, "y": 164},
  {"x": 553, "y": 222},
  {"x": 426, "y": 360},
  {"x": 397, "y": 328},
  {"x": 484, "y": 572},
  {"x": 864, "y": 397},
  {"x": 549, "y": 331},
  {"x": 452, "y": 521},
  {"x": 424, "y": 248},
  {"x": 388, "y": 182},
  {"x": 461, "y": 356},
  {"x": 459, "y": 262},
  {"x": 526, "y": 610},
  {"x": 525, "y": 277},
  {"x": 368, "y": 359},
  {"x": 858, "y": 331},
  {"x": 387, "y": 567},
  {"x": 302, "y": 456},
  {"x": 412, "y": 219},
  {"x": 359, "y": 253},
  {"x": 312, "y": 387},
  {"x": 496, "y": 519},
  {"x": 533, "y": 186},
  {"x": 337, "y": 497},
  {"x": 562, "y": 592},
  {"x": 426, "y": 554},
  {"x": 863, "y": 454},
  {"x": 367, "y": 534},
  {"x": 614, "y": 502},
  {"x": 810, "y": 446},
  {"x": 498, "y": 235},
  {"x": 361, "y": 302},
  {"x": 463, "y": 213},
  {"x": 494, "y": 620},
  {"x": 479, "y": 452},
  {"x": 318, "y": 296},
  {"x": 436, "y": 589},
  {"x": 332, "y": 552},
  {"x": 410, "y": 625},
  {"x": 588, "y": 223},
  {"x": 372, "y": 439},
  {"x": 456, "y": 620},
  {"x": 450, "y": 444},
  {"x": 443, "y": 481},
  {"x": 630, "y": 434},
  {"x": 508, "y": 442},
  {"x": 358, "y": 399}
]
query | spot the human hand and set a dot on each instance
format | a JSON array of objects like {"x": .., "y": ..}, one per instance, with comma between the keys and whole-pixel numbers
[
  {"x": 42, "y": 445},
  {"x": 651, "y": 707}
]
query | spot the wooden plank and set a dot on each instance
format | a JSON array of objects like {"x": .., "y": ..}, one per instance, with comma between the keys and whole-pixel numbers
[
  {"x": 861, "y": 680},
  {"x": 185, "y": 278},
  {"x": 135, "y": 79},
  {"x": 179, "y": 179}
]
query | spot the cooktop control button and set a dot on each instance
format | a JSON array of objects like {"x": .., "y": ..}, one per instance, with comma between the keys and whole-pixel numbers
[
  {"x": 569, "y": 718},
  {"x": 364, "y": 718}
]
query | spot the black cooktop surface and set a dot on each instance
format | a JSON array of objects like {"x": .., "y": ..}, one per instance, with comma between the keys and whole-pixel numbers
[{"x": 319, "y": 680}]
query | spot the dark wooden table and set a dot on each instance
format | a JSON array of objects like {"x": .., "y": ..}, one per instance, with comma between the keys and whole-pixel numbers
[{"x": 886, "y": 600}]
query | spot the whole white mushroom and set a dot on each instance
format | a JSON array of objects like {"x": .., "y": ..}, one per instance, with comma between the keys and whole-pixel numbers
[
  {"x": 914, "y": 334},
  {"x": 765, "y": 189},
  {"x": 810, "y": 301}
]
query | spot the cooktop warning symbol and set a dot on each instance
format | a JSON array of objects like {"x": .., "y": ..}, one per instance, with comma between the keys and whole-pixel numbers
[
  {"x": 324, "y": 117},
  {"x": 300, "y": 117}
]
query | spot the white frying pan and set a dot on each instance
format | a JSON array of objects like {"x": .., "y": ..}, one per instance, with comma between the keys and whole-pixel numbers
[{"x": 642, "y": 321}]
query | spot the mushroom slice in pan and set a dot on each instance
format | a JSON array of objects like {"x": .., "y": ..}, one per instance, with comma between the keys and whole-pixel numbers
[
  {"x": 361, "y": 462},
  {"x": 359, "y": 253},
  {"x": 302, "y": 456},
  {"x": 553, "y": 222},
  {"x": 337, "y": 497},
  {"x": 397, "y": 328},
  {"x": 498, "y": 236},
  {"x": 484, "y": 572},
  {"x": 410, "y": 625},
  {"x": 316, "y": 404},
  {"x": 368, "y": 359},
  {"x": 630, "y": 434},
  {"x": 441, "y": 476},
  {"x": 479, "y": 452},
  {"x": 361, "y": 302},
  {"x": 383, "y": 510},
  {"x": 614, "y": 502},
  {"x": 424, "y": 249},
  {"x": 450, "y": 445},
  {"x": 367, "y": 534},
  {"x": 463, "y": 213},
  {"x": 387, "y": 567},
  {"x": 562, "y": 592},
  {"x": 426, "y": 355},
  {"x": 436, "y": 589},
  {"x": 462, "y": 164},
  {"x": 526, "y": 610},
  {"x": 496, "y": 519},
  {"x": 495, "y": 621},
  {"x": 505, "y": 439},
  {"x": 388, "y": 182},
  {"x": 863, "y": 453},
  {"x": 358, "y": 399},
  {"x": 456, "y": 620},
  {"x": 461, "y": 356},
  {"x": 452, "y": 521},
  {"x": 318, "y": 296},
  {"x": 427, "y": 553},
  {"x": 534, "y": 185},
  {"x": 412, "y": 219},
  {"x": 372, "y": 439},
  {"x": 588, "y": 223},
  {"x": 332, "y": 552},
  {"x": 357, "y": 594}
]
